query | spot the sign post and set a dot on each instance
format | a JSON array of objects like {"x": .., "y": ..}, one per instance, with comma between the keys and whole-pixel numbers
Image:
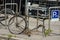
[{"x": 54, "y": 13}]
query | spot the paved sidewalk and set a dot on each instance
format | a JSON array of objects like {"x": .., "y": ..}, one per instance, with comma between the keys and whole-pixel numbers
[{"x": 55, "y": 26}]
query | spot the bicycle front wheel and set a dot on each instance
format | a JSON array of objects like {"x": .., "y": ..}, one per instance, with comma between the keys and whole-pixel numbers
[{"x": 18, "y": 26}]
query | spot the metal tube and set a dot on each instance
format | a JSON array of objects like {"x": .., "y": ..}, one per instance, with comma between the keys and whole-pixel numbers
[
  {"x": 54, "y": 7},
  {"x": 37, "y": 8},
  {"x": 20, "y": 7},
  {"x": 50, "y": 15},
  {"x": 5, "y": 14},
  {"x": 37, "y": 19},
  {"x": 16, "y": 14},
  {"x": 43, "y": 29},
  {"x": 26, "y": 9},
  {"x": 49, "y": 22},
  {"x": 16, "y": 9},
  {"x": 1, "y": 4},
  {"x": 26, "y": 13},
  {"x": 11, "y": 4}
]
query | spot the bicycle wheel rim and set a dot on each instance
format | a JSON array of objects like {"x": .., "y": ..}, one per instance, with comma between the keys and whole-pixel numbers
[
  {"x": 8, "y": 13},
  {"x": 17, "y": 30}
]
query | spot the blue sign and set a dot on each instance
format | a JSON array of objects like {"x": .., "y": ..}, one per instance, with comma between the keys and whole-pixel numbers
[{"x": 54, "y": 14}]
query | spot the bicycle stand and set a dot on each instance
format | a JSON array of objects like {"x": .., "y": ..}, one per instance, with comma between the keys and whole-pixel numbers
[
  {"x": 43, "y": 28},
  {"x": 27, "y": 16},
  {"x": 38, "y": 26}
]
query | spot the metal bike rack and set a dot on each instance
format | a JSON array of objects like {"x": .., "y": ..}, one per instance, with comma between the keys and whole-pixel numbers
[
  {"x": 12, "y": 4},
  {"x": 49, "y": 12},
  {"x": 16, "y": 9},
  {"x": 34, "y": 8},
  {"x": 55, "y": 7}
]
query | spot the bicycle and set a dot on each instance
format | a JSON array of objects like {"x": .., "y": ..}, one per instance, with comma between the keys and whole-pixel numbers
[
  {"x": 19, "y": 24},
  {"x": 14, "y": 20},
  {"x": 11, "y": 12}
]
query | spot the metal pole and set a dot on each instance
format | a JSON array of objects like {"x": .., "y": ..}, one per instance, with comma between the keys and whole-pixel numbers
[
  {"x": 43, "y": 29},
  {"x": 5, "y": 14},
  {"x": 57, "y": 3},
  {"x": 49, "y": 22},
  {"x": 3, "y": 2},
  {"x": 16, "y": 10},
  {"x": 37, "y": 19},
  {"x": 17, "y": 14},
  {"x": 26, "y": 13},
  {"x": 11, "y": 5},
  {"x": 20, "y": 7},
  {"x": 26, "y": 9}
]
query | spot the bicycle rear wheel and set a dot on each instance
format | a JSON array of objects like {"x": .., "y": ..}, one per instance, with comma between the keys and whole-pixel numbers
[
  {"x": 18, "y": 26},
  {"x": 4, "y": 18}
]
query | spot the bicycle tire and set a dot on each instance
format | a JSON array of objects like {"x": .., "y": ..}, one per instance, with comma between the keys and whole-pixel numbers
[
  {"x": 2, "y": 18},
  {"x": 8, "y": 11},
  {"x": 17, "y": 29}
]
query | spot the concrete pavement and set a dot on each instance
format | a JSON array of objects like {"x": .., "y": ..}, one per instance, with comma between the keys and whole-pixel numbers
[{"x": 55, "y": 35}]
